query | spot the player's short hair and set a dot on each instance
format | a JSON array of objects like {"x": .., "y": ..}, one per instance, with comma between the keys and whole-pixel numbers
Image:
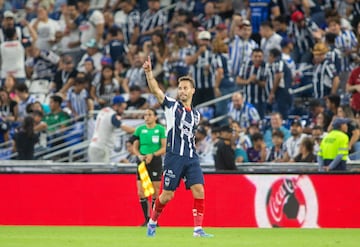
[{"x": 187, "y": 78}]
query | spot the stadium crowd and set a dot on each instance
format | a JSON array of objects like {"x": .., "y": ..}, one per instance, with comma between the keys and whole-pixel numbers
[{"x": 292, "y": 67}]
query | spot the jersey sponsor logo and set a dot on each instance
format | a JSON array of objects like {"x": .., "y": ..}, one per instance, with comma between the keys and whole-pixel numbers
[
  {"x": 144, "y": 131},
  {"x": 169, "y": 173}
]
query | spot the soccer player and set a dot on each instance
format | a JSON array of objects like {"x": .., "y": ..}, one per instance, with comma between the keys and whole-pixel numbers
[
  {"x": 149, "y": 145},
  {"x": 181, "y": 160}
]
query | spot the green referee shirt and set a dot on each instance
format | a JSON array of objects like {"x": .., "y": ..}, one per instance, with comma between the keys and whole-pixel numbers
[
  {"x": 334, "y": 143},
  {"x": 150, "y": 139}
]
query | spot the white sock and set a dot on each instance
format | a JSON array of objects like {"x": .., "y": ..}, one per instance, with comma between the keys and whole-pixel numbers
[
  {"x": 152, "y": 222},
  {"x": 197, "y": 228}
]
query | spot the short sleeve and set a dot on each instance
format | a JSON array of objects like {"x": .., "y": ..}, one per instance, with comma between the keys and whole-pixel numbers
[
  {"x": 137, "y": 132},
  {"x": 168, "y": 102},
  {"x": 97, "y": 18},
  {"x": 115, "y": 121},
  {"x": 162, "y": 133}
]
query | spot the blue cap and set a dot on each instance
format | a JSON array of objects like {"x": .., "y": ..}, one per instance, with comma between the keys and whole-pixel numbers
[
  {"x": 339, "y": 121},
  {"x": 118, "y": 99},
  {"x": 285, "y": 41}
]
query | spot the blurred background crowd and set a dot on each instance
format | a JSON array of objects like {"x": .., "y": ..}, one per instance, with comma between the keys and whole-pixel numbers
[{"x": 271, "y": 75}]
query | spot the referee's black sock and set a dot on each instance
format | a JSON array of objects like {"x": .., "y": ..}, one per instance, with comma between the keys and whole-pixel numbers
[{"x": 145, "y": 207}]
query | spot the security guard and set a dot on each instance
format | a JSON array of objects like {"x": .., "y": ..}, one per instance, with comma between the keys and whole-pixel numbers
[{"x": 334, "y": 150}]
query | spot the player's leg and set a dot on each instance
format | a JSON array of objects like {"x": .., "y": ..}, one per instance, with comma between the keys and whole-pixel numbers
[
  {"x": 96, "y": 154},
  {"x": 144, "y": 202},
  {"x": 155, "y": 172},
  {"x": 195, "y": 181}
]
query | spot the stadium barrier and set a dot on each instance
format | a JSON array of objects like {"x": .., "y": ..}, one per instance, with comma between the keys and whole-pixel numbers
[{"x": 314, "y": 200}]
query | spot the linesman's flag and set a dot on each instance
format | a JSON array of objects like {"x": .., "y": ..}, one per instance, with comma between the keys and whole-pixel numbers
[{"x": 145, "y": 180}]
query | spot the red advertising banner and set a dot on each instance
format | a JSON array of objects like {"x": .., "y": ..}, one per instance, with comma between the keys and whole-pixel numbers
[{"x": 231, "y": 201}]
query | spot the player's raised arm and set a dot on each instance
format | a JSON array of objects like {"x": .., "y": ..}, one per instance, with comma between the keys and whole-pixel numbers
[{"x": 153, "y": 84}]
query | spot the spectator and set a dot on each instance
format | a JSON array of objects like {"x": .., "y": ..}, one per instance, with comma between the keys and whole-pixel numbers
[
  {"x": 92, "y": 52},
  {"x": 241, "y": 139},
  {"x": 39, "y": 124},
  {"x": 25, "y": 140},
  {"x": 203, "y": 146},
  {"x": 346, "y": 42},
  {"x": 90, "y": 23},
  {"x": 317, "y": 135},
  {"x": 40, "y": 64},
  {"x": 64, "y": 76},
  {"x": 280, "y": 24},
  {"x": 201, "y": 68},
  {"x": 131, "y": 156},
  {"x": 136, "y": 101},
  {"x": 225, "y": 153},
  {"x": 70, "y": 41},
  {"x": 157, "y": 50},
  {"x": 276, "y": 124},
  {"x": 12, "y": 56},
  {"x": 306, "y": 151},
  {"x": 287, "y": 47},
  {"x": 277, "y": 152},
  {"x": 269, "y": 39},
  {"x": 152, "y": 20},
  {"x": 241, "y": 48},
  {"x": 278, "y": 83},
  {"x": 325, "y": 79},
  {"x": 177, "y": 54},
  {"x": 104, "y": 87},
  {"x": 57, "y": 116},
  {"x": 260, "y": 12},
  {"x": 115, "y": 47},
  {"x": 131, "y": 25},
  {"x": 242, "y": 112},
  {"x": 292, "y": 145},
  {"x": 135, "y": 75},
  {"x": 257, "y": 153},
  {"x": 8, "y": 107},
  {"x": 210, "y": 19},
  {"x": 25, "y": 99},
  {"x": 78, "y": 98},
  {"x": 353, "y": 87},
  {"x": 172, "y": 89},
  {"x": 9, "y": 87},
  {"x": 48, "y": 30},
  {"x": 332, "y": 105},
  {"x": 304, "y": 32},
  {"x": 353, "y": 132},
  {"x": 224, "y": 82},
  {"x": 334, "y": 54},
  {"x": 252, "y": 76}
]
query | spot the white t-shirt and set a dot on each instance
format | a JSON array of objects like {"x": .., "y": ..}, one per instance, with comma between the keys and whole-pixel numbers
[
  {"x": 104, "y": 129},
  {"x": 72, "y": 36},
  {"x": 97, "y": 62},
  {"x": 292, "y": 145},
  {"x": 88, "y": 27},
  {"x": 46, "y": 32},
  {"x": 12, "y": 59}
]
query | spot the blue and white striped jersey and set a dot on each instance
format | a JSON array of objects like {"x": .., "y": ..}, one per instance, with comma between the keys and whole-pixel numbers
[
  {"x": 209, "y": 23},
  {"x": 181, "y": 124},
  {"x": 202, "y": 70},
  {"x": 323, "y": 76},
  {"x": 245, "y": 115},
  {"x": 150, "y": 20},
  {"x": 240, "y": 51},
  {"x": 303, "y": 37},
  {"x": 254, "y": 94},
  {"x": 279, "y": 66},
  {"x": 132, "y": 21},
  {"x": 222, "y": 61},
  {"x": 78, "y": 101},
  {"x": 346, "y": 41}
]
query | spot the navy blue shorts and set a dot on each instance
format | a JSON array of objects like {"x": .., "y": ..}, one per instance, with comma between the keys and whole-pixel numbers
[{"x": 177, "y": 167}]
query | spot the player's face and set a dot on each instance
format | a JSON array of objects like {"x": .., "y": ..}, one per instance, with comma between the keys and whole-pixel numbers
[
  {"x": 120, "y": 108},
  {"x": 149, "y": 117},
  {"x": 185, "y": 91}
]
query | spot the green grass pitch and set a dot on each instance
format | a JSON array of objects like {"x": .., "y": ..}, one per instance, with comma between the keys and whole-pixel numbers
[{"x": 29, "y": 236}]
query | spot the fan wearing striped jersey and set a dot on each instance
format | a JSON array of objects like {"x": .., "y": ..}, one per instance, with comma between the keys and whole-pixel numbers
[{"x": 181, "y": 160}]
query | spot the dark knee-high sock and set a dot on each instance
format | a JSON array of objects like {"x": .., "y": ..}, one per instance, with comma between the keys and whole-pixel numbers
[
  {"x": 158, "y": 208},
  {"x": 198, "y": 212},
  {"x": 145, "y": 207}
]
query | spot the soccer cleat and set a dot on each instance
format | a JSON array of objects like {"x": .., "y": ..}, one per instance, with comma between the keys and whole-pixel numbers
[
  {"x": 151, "y": 230},
  {"x": 201, "y": 234}
]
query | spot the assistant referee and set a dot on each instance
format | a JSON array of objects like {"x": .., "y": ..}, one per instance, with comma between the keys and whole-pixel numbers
[{"x": 149, "y": 145}]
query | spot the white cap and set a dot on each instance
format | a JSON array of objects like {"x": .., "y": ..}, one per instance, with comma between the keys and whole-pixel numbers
[
  {"x": 204, "y": 35},
  {"x": 9, "y": 14}
]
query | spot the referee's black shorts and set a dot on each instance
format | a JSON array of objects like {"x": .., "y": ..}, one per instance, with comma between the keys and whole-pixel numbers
[{"x": 154, "y": 169}]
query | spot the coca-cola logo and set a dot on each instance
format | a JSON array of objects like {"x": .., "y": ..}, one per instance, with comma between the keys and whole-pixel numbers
[{"x": 285, "y": 201}]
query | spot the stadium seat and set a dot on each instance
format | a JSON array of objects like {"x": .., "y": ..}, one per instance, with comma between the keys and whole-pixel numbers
[{"x": 39, "y": 97}]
